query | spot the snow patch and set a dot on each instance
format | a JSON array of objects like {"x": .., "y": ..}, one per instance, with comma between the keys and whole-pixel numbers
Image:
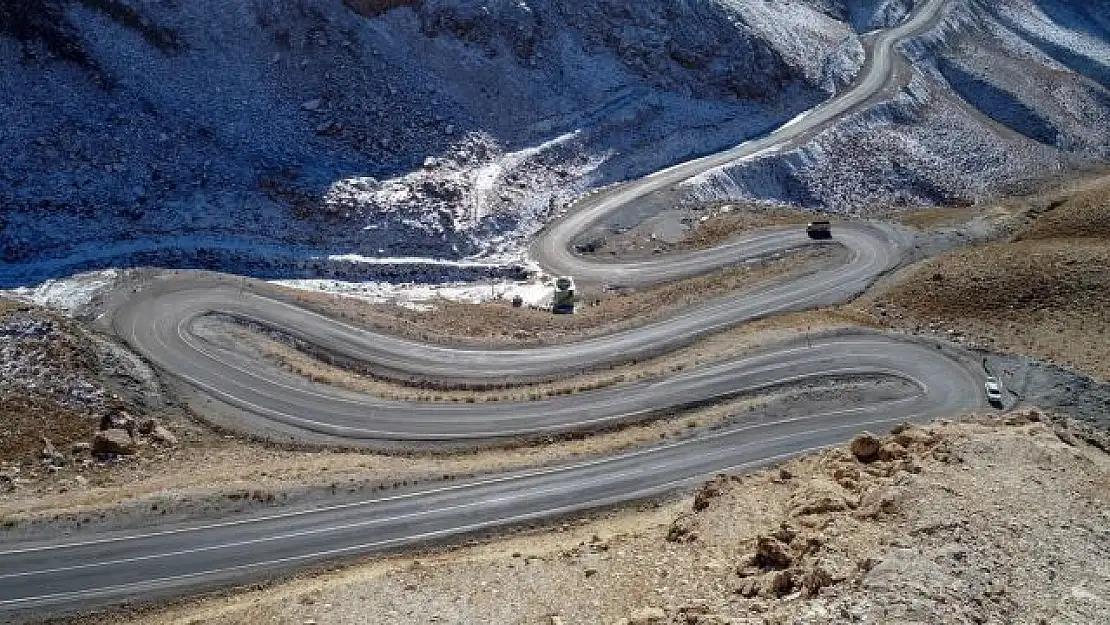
[
  {"x": 532, "y": 293},
  {"x": 476, "y": 187},
  {"x": 70, "y": 294}
]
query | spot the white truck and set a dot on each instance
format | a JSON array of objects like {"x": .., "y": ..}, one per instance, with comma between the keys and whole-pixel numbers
[{"x": 993, "y": 389}]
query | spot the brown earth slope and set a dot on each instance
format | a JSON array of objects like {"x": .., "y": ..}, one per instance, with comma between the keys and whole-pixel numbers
[
  {"x": 955, "y": 523},
  {"x": 51, "y": 381},
  {"x": 600, "y": 312},
  {"x": 59, "y": 386},
  {"x": 1045, "y": 293}
]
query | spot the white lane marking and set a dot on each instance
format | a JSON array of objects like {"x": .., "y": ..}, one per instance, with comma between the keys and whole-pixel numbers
[
  {"x": 427, "y": 535},
  {"x": 452, "y": 531},
  {"x": 456, "y": 487},
  {"x": 356, "y": 432},
  {"x": 738, "y": 365},
  {"x": 607, "y": 477}
]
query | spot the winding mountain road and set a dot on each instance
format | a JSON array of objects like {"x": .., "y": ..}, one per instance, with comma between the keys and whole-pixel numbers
[{"x": 92, "y": 568}]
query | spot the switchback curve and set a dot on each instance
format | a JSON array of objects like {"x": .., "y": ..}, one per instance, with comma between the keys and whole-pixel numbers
[{"x": 89, "y": 569}]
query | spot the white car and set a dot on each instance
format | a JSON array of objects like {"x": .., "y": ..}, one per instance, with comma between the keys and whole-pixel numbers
[{"x": 994, "y": 391}]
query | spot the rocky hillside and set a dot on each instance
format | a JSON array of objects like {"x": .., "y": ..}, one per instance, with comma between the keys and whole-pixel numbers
[
  {"x": 425, "y": 128},
  {"x": 1000, "y": 93},
  {"x": 70, "y": 402},
  {"x": 255, "y": 136},
  {"x": 1044, "y": 293},
  {"x": 971, "y": 522}
]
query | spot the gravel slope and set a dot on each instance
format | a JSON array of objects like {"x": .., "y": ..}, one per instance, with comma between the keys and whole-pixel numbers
[
  {"x": 1044, "y": 293},
  {"x": 987, "y": 523}
]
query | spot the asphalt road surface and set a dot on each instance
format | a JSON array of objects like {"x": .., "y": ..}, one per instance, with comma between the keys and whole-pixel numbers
[
  {"x": 93, "y": 568},
  {"x": 159, "y": 322}
]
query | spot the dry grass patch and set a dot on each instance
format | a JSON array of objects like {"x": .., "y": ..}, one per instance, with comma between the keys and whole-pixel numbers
[
  {"x": 937, "y": 217},
  {"x": 733, "y": 343},
  {"x": 1046, "y": 294},
  {"x": 1047, "y": 299},
  {"x": 7, "y": 305},
  {"x": 26, "y": 419},
  {"x": 1011, "y": 278},
  {"x": 1085, "y": 215},
  {"x": 44, "y": 356},
  {"x": 498, "y": 323}
]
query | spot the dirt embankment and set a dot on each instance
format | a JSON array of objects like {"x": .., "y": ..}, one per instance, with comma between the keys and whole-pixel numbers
[
  {"x": 967, "y": 522},
  {"x": 693, "y": 227},
  {"x": 76, "y": 411},
  {"x": 499, "y": 323},
  {"x": 48, "y": 366},
  {"x": 1045, "y": 293},
  {"x": 59, "y": 383}
]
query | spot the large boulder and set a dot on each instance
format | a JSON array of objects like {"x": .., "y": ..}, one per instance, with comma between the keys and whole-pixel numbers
[
  {"x": 865, "y": 446},
  {"x": 162, "y": 434},
  {"x": 647, "y": 616},
  {"x": 115, "y": 441}
]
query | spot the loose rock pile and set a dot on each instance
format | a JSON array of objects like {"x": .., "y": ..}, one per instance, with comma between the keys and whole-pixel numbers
[
  {"x": 67, "y": 402},
  {"x": 791, "y": 558},
  {"x": 121, "y": 434}
]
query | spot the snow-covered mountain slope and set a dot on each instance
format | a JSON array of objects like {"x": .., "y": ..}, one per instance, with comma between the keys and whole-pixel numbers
[
  {"x": 259, "y": 135},
  {"x": 403, "y": 128},
  {"x": 1002, "y": 92}
]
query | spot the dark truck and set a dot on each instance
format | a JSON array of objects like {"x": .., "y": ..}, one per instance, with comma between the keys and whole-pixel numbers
[
  {"x": 820, "y": 229},
  {"x": 564, "y": 299}
]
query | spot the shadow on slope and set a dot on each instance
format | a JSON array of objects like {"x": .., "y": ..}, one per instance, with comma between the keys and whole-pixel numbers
[
  {"x": 178, "y": 150},
  {"x": 999, "y": 104},
  {"x": 1085, "y": 16}
]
